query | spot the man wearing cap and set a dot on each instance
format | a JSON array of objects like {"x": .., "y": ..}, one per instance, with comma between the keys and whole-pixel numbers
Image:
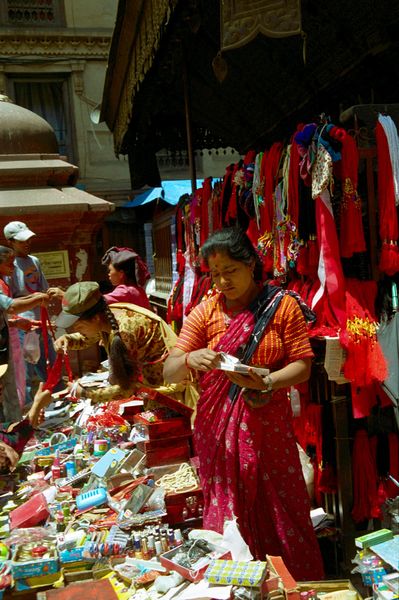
[{"x": 27, "y": 278}]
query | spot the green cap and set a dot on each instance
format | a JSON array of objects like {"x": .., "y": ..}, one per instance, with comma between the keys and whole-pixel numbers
[{"x": 78, "y": 299}]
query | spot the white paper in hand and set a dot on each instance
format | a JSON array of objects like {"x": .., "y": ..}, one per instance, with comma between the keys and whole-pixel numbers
[{"x": 233, "y": 541}]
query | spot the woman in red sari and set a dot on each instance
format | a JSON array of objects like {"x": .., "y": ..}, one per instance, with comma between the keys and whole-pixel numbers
[{"x": 249, "y": 462}]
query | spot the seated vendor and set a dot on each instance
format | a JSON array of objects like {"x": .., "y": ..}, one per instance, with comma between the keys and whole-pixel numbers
[
  {"x": 15, "y": 436},
  {"x": 136, "y": 340}
]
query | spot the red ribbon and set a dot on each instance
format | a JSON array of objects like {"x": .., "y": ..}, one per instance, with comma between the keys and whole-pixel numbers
[{"x": 54, "y": 371}]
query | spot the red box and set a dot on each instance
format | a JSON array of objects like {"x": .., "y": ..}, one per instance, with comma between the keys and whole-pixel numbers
[
  {"x": 174, "y": 427},
  {"x": 165, "y": 451},
  {"x": 179, "y": 424},
  {"x": 150, "y": 396},
  {"x": 176, "y": 503},
  {"x": 31, "y": 513},
  {"x": 166, "y": 560}
]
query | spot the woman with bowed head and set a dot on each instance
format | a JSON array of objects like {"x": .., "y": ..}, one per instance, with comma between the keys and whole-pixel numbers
[
  {"x": 249, "y": 461},
  {"x": 128, "y": 274},
  {"x": 136, "y": 340}
]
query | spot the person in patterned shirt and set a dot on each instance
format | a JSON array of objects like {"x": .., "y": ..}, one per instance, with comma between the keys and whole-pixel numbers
[
  {"x": 136, "y": 340},
  {"x": 249, "y": 461}
]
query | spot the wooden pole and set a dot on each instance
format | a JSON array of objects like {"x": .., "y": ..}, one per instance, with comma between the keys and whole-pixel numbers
[{"x": 187, "y": 112}]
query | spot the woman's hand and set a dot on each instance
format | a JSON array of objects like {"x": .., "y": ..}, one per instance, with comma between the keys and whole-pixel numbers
[
  {"x": 24, "y": 324},
  {"x": 203, "y": 360},
  {"x": 8, "y": 457},
  {"x": 41, "y": 400},
  {"x": 251, "y": 380},
  {"x": 61, "y": 344},
  {"x": 55, "y": 292},
  {"x": 41, "y": 298}
]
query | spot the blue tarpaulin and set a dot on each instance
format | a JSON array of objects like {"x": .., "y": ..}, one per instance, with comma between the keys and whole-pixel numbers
[{"x": 170, "y": 192}]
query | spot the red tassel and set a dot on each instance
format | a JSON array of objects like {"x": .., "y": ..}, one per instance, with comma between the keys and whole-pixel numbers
[
  {"x": 377, "y": 362},
  {"x": 389, "y": 259},
  {"x": 363, "y": 400}
]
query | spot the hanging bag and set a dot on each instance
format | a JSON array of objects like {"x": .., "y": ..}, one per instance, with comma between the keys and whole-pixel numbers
[{"x": 31, "y": 347}]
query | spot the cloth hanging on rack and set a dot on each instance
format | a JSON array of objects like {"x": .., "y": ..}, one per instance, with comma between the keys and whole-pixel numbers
[
  {"x": 388, "y": 219},
  {"x": 365, "y": 362},
  {"x": 329, "y": 272},
  {"x": 351, "y": 224},
  {"x": 393, "y": 144}
]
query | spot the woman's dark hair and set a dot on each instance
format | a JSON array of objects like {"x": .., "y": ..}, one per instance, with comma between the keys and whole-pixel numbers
[
  {"x": 5, "y": 253},
  {"x": 121, "y": 367},
  {"x": 129, "y": 269},
  {"x": 234, "y": 242}
]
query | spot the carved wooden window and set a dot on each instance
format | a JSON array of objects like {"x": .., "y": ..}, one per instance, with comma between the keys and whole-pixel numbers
[
  {"x": 162, "y": 238},
  {"x": 32, "y": 13}
]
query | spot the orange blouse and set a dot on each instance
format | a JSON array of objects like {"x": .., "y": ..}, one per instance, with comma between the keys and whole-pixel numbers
[{"x": 284, "y": 340}]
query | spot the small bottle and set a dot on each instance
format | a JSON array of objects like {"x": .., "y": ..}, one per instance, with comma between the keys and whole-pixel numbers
[
  {"x": 56, "y": 467},
  {"x": 151, "y": 545},
  {"x": 395, "y": 302},
  {"x": 178, "y": 537},
  {"x": 60, "y": 521},
  {"x": 70, "y": 468},
  {"x": 66, "y": 509},
  {"x": 137, "y": 546},
  {"x": 144, "y": 549},
  {"x": 171, "y": 538},
  {"x": 164, "y": 543},
  {"x": 158, "y": 547}
]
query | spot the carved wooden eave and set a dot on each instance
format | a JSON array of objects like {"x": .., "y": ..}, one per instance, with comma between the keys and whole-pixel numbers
[
  {"x": 135, "y": 42},
  {"x": 82, "y": 43}
]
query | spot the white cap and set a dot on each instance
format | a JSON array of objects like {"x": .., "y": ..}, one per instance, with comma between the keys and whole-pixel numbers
[
  {"x": 3, "y": 369},
  {"x": 16, "y": 230}
]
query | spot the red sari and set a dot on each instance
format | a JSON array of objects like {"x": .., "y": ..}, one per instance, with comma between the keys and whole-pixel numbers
[{"x": 249, "y": 461}]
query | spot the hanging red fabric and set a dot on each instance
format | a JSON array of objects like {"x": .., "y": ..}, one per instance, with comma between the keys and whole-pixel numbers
[
  {"x": 388, "y": 219},
  {"x": 54, "y": 372},
  {"x": 351, "y": 231},
  {"x": 293, "y": 185}
]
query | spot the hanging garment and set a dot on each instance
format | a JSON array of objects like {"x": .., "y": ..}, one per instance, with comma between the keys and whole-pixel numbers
[
  {"x": 351, "y": 224},
  {"x": 388, "y": 218}
]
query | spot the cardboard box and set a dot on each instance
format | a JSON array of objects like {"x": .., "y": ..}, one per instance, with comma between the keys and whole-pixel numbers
[
  {"x": 29, "y": 583},
  {"x": 292, "y": 588},
  {"x": 35, "y": 567},
  {"x": 373, "y": 538},
  {"x": 329, "y": 586},
  {"x": 167, "y": 561},
  {"x": 252, "y": 574}
]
